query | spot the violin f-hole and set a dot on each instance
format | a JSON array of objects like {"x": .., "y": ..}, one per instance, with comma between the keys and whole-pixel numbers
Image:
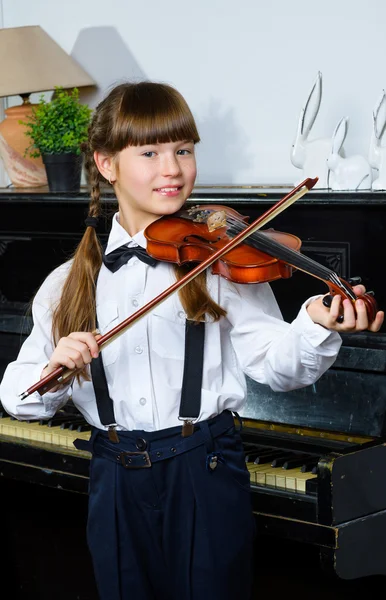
[{"x": 198, "y": 238}]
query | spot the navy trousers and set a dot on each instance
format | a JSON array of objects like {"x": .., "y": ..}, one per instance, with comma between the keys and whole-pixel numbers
[{"x": 179, "y": 530}]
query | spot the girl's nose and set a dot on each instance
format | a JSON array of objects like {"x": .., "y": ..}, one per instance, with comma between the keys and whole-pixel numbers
[{"x": 170, "y": 166}]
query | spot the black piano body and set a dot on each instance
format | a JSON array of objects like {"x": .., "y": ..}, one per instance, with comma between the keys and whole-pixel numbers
[
  {"x": 339, "y": 422},
  {"x": 337, "y": 427}
]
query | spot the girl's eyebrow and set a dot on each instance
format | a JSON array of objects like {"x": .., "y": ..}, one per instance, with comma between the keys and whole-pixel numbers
[{"x": 161, "y": 143}]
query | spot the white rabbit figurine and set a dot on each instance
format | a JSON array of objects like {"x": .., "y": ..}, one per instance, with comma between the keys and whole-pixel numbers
[
  {"x": 352, "y": 173},
  {"x": 377, "y": 152},
  {"x": 311, "y": 156}
]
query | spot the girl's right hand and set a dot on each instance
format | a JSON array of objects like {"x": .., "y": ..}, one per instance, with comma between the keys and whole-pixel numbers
[{"x": 74, "y": 352}]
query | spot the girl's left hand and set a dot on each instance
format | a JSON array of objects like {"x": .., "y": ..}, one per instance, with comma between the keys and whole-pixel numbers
[{"x": 354, "y": 319}]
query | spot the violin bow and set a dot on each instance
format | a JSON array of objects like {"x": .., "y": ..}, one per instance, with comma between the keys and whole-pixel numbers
[{"x": 62, "y": 374}]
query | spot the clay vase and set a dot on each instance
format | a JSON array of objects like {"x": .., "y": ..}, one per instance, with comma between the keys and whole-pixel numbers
[{"x": 22, "y": 170}]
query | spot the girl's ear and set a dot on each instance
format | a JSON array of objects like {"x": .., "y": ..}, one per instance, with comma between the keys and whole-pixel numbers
[{"x": 105, "y": 165}]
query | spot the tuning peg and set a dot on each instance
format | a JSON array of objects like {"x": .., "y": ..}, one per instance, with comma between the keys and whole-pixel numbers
[
  {"x": 370, "y": 293},
  {"x": 327, "y": 300},
  {"x": 355, "y": 280}
]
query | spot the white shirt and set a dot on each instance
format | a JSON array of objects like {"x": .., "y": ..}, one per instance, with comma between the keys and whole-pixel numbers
[{"x": 144, "y": 366}]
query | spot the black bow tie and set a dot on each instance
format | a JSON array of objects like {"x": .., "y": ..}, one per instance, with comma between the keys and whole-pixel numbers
[{"x": 115, "y": 259}]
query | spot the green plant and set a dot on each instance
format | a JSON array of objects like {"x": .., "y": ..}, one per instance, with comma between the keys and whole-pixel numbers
[{"x": 59, "y": 126}]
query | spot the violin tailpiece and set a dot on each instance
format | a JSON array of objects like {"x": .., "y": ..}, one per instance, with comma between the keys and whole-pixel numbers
[{"x": 199, "y": 215}]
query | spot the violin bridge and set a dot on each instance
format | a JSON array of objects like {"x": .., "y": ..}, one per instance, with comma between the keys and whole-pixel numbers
[{"x": 217, "y": 220}]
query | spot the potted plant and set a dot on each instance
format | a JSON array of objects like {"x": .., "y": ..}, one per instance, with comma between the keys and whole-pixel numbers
[{"x": 57, "y": 129}]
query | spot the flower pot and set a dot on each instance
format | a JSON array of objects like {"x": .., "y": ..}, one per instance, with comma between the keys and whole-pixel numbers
[{"x": 63, "y": 171}]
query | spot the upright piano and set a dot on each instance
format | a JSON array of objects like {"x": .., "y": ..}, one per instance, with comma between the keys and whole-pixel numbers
[{"x": 316, "y": 456}]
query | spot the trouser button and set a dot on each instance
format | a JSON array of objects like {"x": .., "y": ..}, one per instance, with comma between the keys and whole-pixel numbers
[{"x": 141, "y": 444}]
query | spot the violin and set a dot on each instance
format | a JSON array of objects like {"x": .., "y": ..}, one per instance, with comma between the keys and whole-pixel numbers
[
  {"x": 211, "y": 237},
  {"x": 188, "y": 236},
  {"x": 194, "y": 235}
]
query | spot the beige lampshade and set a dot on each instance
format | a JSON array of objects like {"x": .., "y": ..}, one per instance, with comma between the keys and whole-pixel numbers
[{"x": 33, "y": 62}]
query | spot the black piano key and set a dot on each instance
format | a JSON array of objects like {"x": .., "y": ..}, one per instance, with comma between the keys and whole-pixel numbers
[
  {"x": 85, "y": 427},
  {"x": 268, "y": 458},
  {"x": 58, "y": 419},
  {"x": 281, "y": 460},
  {"x": 308, "y": 466},
  {"x": 24, "y": 420},
  {"x": 74, "y": 426},
  {"x": 53, "y": 422},
  {"x": 256, "y": 451},
  {"x": 72, "y": 423},
  {"x": 299, "y": 461},
  {"x": 251, "y": 455}
]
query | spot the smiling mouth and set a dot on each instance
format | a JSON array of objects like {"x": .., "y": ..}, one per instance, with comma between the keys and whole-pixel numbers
[{"x": 169, "y": 189}]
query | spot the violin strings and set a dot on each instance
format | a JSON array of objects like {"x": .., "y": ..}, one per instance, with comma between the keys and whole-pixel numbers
[
  {"x": 261, "y": 241},
  {"x": 265, "y": 244}
]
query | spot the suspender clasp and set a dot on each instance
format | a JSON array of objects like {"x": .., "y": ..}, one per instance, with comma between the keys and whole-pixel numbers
[
  {"x": 187, "y": 426},
  {"x": 113, "y": 434}
]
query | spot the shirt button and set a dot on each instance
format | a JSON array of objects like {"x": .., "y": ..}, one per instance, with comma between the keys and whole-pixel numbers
[
  {"x": 138, "y": 349},
  {"x": 181, "y": 314},
  {"x": 135, "y": 302},
  {"x": 142, "y": 401}
]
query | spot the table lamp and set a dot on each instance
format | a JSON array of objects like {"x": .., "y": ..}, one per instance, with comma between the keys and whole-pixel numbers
[{"x": 31, "y": 61}]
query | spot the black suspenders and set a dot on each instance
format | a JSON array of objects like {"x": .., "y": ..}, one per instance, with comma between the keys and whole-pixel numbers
[
  {"x": 192, "y": 379},
  {"x": 191, "y": 383}
]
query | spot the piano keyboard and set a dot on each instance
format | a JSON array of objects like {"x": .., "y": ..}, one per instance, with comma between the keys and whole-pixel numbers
[
  {"x": 279, "y": 469},
  {"x": 267, "y": 467},
  {"x": 42, "y": 433}
]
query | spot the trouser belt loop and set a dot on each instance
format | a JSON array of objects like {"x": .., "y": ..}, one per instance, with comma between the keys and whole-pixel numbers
[
  {"x": 206, "y": 434},
  {"x": 239, "y": 420},
  {"x": 87, "y": 445}
]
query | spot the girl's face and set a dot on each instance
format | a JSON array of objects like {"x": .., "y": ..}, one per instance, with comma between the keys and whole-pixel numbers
[{"x": 152, "y": 181}]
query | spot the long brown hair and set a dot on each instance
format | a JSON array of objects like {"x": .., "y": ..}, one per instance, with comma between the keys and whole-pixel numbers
[{"x": 132, "y": 114}]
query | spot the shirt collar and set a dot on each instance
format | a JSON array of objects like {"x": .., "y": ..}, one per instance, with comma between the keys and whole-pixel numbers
[{"x": 119, "y": 236}]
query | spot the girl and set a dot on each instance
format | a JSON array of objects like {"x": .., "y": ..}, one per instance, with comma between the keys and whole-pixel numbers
[{"x": 169, "y": 507}]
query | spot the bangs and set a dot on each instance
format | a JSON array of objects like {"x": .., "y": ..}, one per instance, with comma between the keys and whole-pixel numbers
[{"x": 152, "y": 113}]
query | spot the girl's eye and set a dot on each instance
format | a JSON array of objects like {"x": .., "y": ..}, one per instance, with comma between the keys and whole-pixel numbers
[
  {"x": 148, "y": 154},
  {"x": 183, "y": 152}
]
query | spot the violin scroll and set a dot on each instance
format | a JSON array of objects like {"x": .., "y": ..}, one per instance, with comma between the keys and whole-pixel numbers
[{"x": 368, "y": 299}]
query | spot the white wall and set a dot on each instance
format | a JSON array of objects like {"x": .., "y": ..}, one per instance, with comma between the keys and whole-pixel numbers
[
  {"x": 246, "y": 67},
  {"x": 4, "y": 179}
]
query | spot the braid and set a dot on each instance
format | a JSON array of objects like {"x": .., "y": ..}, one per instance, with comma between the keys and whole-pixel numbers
[
  {"x": 94, "y": 208},
  {"x": 77, "y": 307}
]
